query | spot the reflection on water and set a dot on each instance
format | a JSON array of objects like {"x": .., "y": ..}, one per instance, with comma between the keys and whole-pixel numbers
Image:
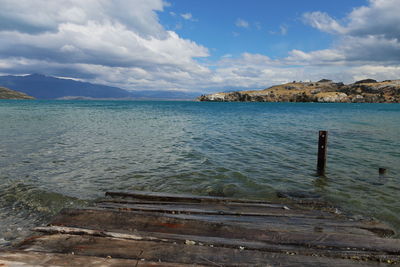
[{"x": 56, "y": 154}]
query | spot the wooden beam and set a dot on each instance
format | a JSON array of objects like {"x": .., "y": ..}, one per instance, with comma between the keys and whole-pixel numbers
[
  {"x": 178, "y": 197},
  {"x": 43, "y": 259},
  {"x": 238, "y": 227},
  {"x": 182, "y": 253},
  {"x": 217, "y": 209}
]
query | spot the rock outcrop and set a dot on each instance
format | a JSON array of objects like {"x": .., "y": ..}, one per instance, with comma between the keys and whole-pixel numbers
[
  {"x": 6, "y": 93},
  {"x": 364, "y": 91}
]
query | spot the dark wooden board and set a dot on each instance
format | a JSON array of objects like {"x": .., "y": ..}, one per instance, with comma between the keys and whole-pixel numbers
[
  {"x": 20, "y": 259},
  {"x": 318, "y": 217},
  {"x": 159, "y": 196},
  {"x": 129, "y": 222},
  {"x": 219, "y": 208},
  {"x": 187, "y": 198},
  {"x": 227, "y": 243},
  {"x": 174, "y": 253}
]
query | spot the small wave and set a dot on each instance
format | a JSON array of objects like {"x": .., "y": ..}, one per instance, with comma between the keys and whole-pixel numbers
[{"x": 23, "y": 206}]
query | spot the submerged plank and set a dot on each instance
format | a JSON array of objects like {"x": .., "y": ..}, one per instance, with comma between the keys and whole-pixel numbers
[
  {"x": 218, "y": 208},
  {"x": 187, "y": 198},
  {"x": 129, "y": 222},
  {"x": 174, "y": 253},
  {"x": 180, "y": 197}
]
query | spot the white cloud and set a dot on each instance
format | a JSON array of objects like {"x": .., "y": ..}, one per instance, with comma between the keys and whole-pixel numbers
[
  {"x": 42, "y": 15},
  {"x": 326, "y": 56},
  {"x": 380, "y": 18},
  {"x": 368, "y": 34},
  {"x": 322, "y": 21},
  {"x": 103, "y": 44},
  {"x": 187, "y": 16},
  {"x": 242, "y": 23},
  {"x": 97, "y": 40},
  {"x": 375, "y": 72}
]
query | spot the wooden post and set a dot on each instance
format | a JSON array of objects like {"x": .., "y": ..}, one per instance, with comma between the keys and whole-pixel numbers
[
  {"x": 322, "y": 148},
  {"x": 382, "y": 171}
]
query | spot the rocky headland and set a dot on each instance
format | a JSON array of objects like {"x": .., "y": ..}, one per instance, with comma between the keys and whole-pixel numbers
[
  {"x": 6, "y": 93},
  {"x": 364, "y": 91}
]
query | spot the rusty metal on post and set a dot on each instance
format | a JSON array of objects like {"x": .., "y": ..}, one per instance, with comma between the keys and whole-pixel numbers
[{"x": 322, "y": 152}]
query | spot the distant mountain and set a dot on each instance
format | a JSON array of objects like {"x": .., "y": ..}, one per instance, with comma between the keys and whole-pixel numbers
[
  {"x": 6, "y": 93},
  {"x": 46, "y": 87}
]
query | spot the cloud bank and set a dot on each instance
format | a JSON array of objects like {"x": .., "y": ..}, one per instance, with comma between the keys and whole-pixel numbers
[
  {"x": 106, "y": 41},
  {"x": 122, "y": 43},
  {"x": 369, "y": 35}
]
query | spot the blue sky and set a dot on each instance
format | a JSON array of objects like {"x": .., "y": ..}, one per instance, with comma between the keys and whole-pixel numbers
[
  {"x": 274, "y": 27},
  {"x": 201, "y": 45}
]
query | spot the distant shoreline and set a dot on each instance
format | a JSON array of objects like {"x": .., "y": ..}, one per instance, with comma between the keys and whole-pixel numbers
[{"x": 323, "y": 91}]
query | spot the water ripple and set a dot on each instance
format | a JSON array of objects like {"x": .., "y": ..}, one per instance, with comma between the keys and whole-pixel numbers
[{"x": 55, "y": 152}]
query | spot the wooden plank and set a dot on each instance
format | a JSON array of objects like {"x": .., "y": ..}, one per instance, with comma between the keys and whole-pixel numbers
[
  {"x": 248, "y": 222},
  {"x": 301, "y": 204},
  {"x": 187, "y": 198},
  {"x": 218, "y": 208},
  {"x": 225, "y": 242},
  {"x": 174, "y": 253},
  {"x": 159, "y": 202},
  {"x": 159, "y": 196},
  {"x": 119, "y": 221},
  {"x": 19, "y": 259},
  {"x": 275, "y": 225},
  {"x": 373, "y": 228},
  {"x": 171, "y": 238},
  {"x": 286, "y": 203}
]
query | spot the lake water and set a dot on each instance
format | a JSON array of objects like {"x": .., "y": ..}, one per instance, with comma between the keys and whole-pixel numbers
[{"x": 56, "y": 154}]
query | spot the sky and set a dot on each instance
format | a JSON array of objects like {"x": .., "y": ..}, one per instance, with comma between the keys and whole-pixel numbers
[{"x": 201, "y": 45}]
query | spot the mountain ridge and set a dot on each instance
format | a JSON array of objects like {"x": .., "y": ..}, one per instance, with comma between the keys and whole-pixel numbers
[{"x": 48, "y": 87}]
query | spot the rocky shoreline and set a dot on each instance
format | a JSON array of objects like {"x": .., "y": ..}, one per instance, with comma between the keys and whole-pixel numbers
[{"x": 324, "y": 91}]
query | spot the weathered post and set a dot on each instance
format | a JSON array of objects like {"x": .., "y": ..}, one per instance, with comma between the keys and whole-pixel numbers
[
  {"x": 322, "y": 148},
  {"x": 382, "y": 171}
]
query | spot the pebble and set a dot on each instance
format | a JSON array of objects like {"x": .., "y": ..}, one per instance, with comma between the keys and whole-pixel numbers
[{"x": 190, "y": 242}]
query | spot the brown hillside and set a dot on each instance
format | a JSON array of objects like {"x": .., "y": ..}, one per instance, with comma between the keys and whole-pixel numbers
[
  {"x": 6, "y": 93},
  {"x": 368, "y": 91}
]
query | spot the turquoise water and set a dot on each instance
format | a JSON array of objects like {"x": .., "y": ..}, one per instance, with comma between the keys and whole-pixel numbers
[{"x": 56, "y": 154}]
